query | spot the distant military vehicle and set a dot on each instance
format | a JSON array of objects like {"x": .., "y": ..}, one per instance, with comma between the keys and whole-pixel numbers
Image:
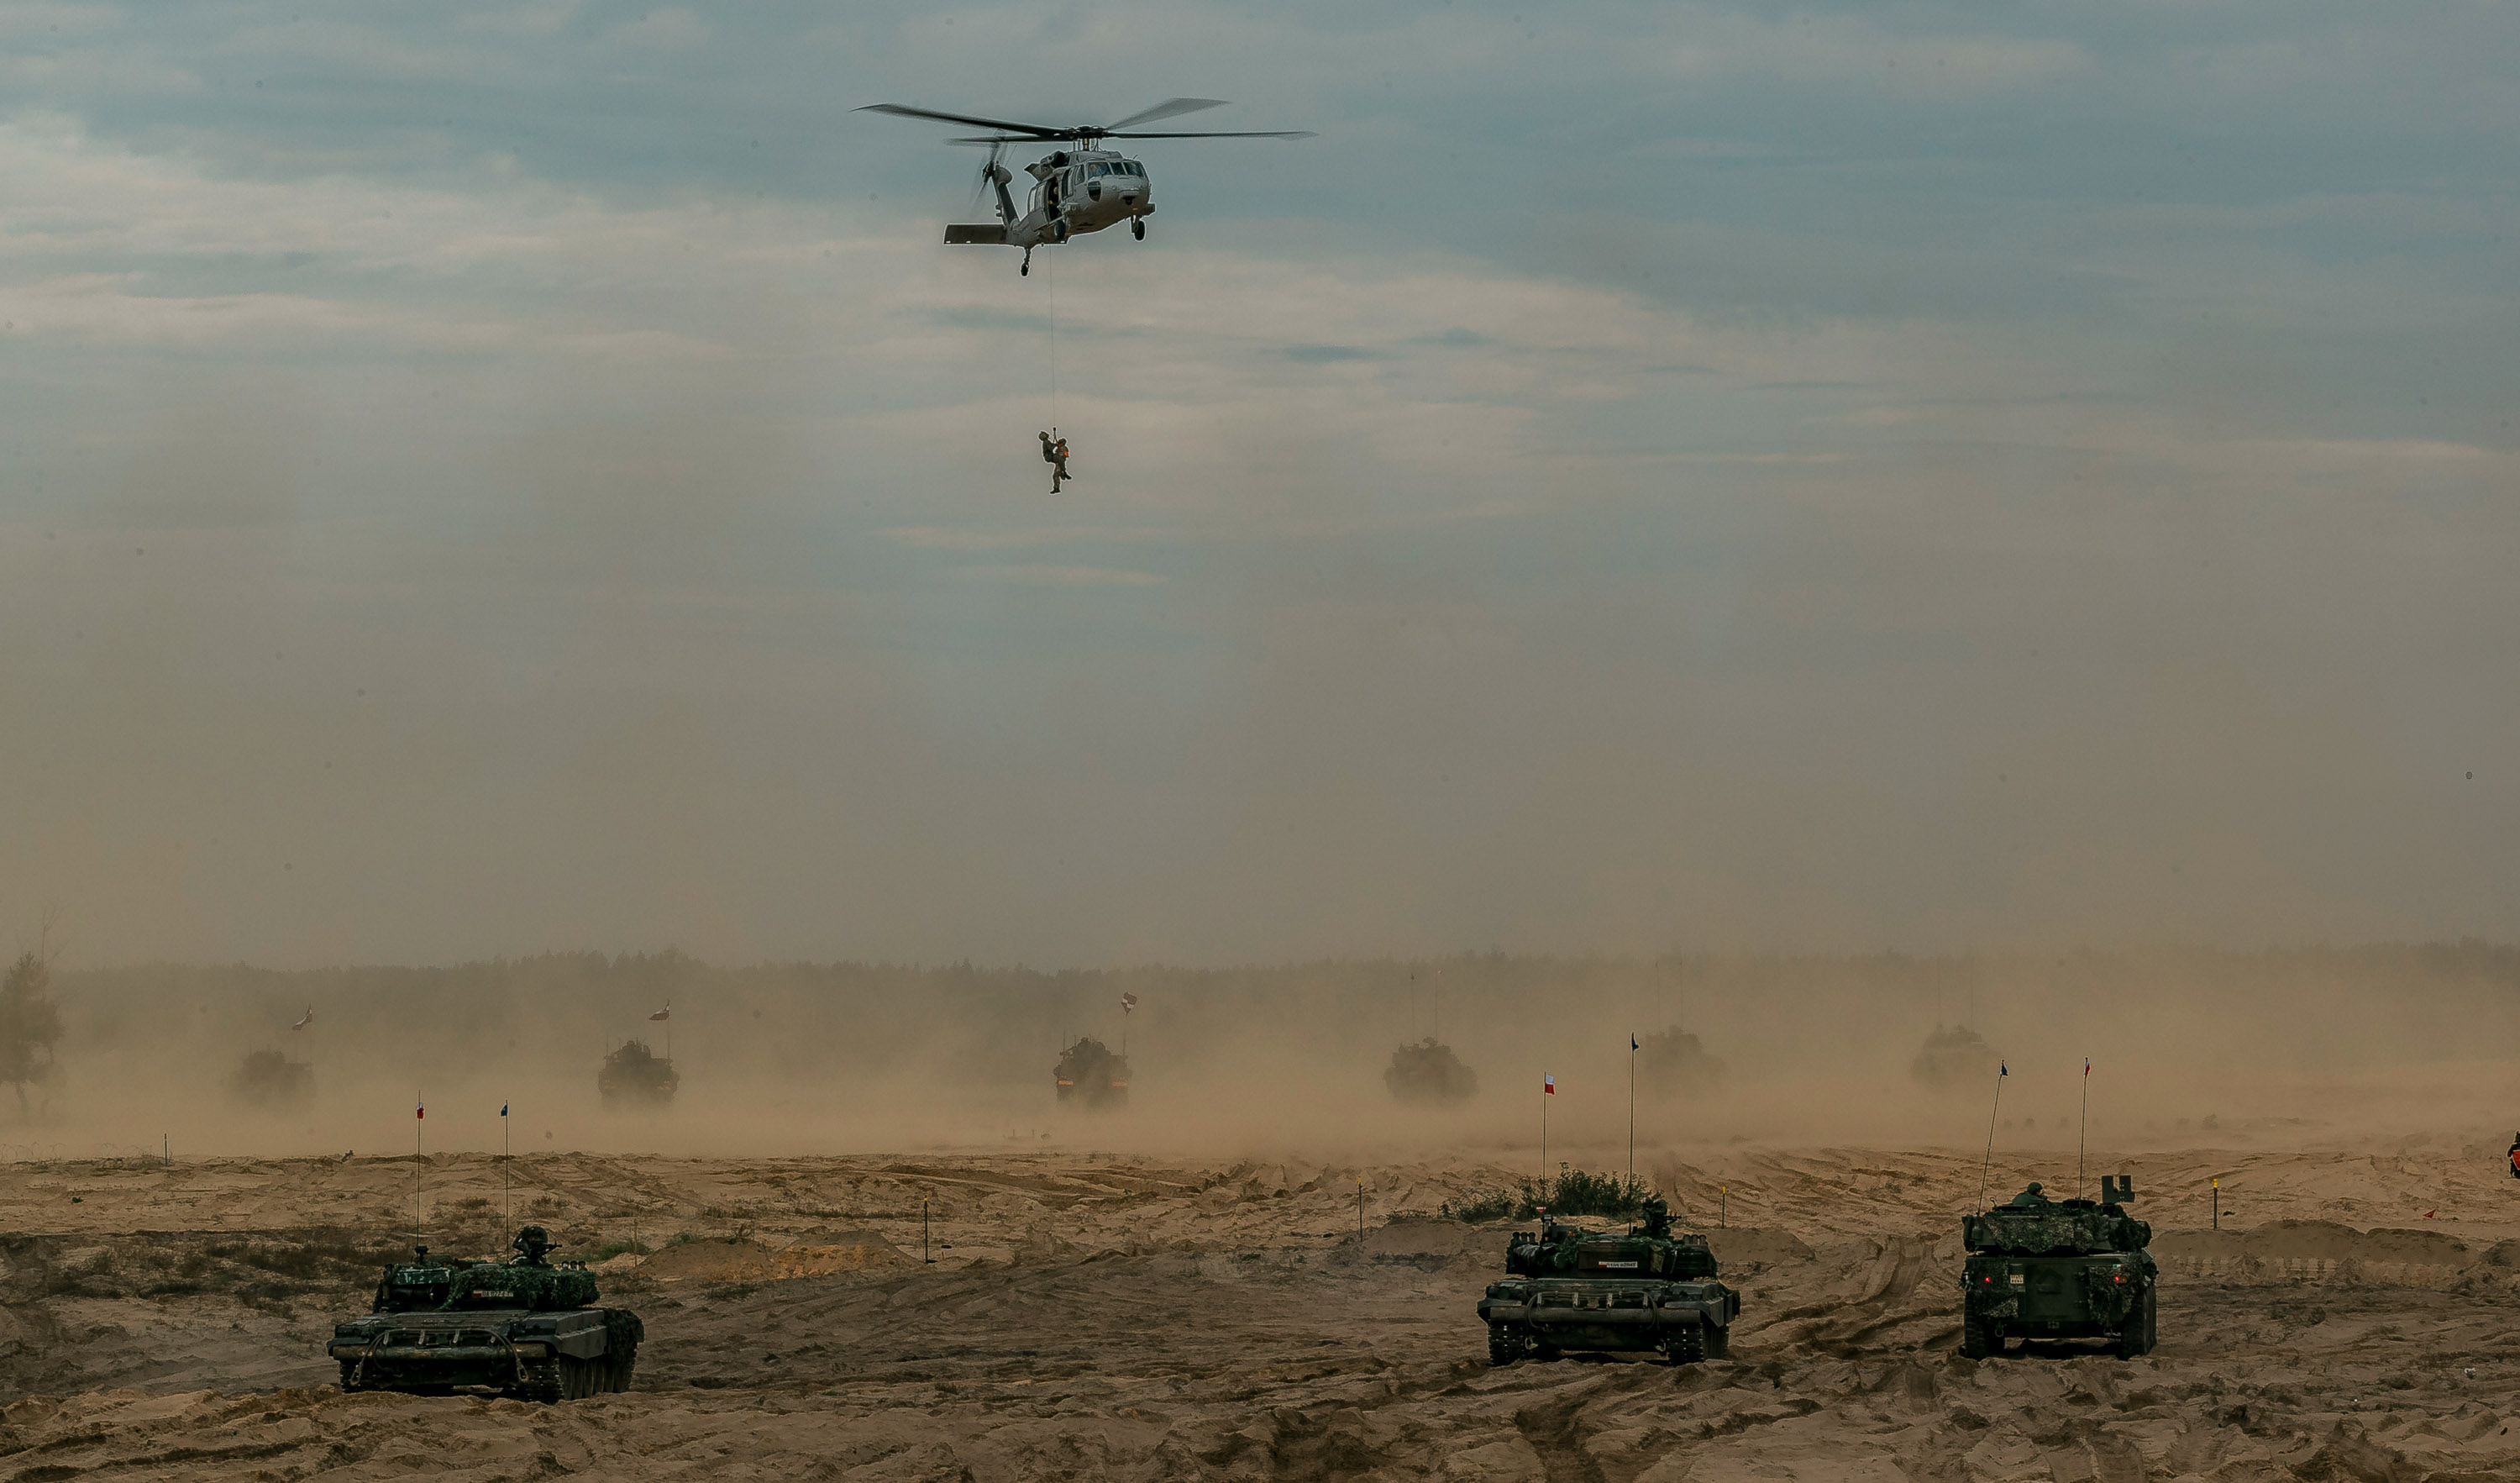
[
  {"x": 269, "y": 1081},
  {"x": 1954, "y": 1056},
  {"x": 1090, "y": 1076},
  {"x": 523, "y": 1328},
  {"x": 2058, "y": 1269},
  {"x": 1649, "y": 1290},
  {"x": 1427, "y": 1072},
  {"x": 635, "y": 1076},
  {"x": 1671, "y": 1064}
]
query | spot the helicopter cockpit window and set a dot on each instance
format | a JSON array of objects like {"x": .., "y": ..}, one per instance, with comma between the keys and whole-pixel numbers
[{"x": 1097, "y": 169}]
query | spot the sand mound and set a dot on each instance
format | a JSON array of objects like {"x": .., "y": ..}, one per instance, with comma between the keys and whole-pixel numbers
[
  {"x": 2314, "y": 1241},
  {"x": 1755, "y": 1245},
  {"x": 1429, "y": 1239},
  {"x": 745, "y": 1261}
]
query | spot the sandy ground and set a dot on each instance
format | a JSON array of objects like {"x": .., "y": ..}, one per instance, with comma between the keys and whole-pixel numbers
[{"x": 1087, "y": 1316}]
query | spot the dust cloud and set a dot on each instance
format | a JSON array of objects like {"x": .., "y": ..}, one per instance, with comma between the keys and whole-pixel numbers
[{"x": 2186, "y": 1047}]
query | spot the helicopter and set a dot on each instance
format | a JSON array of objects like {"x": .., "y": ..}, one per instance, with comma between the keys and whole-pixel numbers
[{"x": 1077, "y": 189}]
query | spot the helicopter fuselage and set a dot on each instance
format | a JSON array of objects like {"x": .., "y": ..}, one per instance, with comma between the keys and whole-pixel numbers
[{"x": 1074, "y": 191}]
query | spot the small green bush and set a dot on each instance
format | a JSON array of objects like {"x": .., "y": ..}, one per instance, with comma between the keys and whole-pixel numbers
[{"x": 1574, "y": 1191}]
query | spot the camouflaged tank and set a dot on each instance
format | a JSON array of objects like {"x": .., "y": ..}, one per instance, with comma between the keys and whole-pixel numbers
[
  {"x": 1649, "y": 1290},
  {"x": 2059, "y": 1270},
  {"x": 524, "y": 1329}
]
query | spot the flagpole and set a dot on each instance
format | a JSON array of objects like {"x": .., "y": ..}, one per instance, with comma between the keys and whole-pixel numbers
[
  {"x": 419, "y": 1116},
  {"x": 1631, "y": 1109},
  {"x": 2001, "y": 1071},
  {"x": 503, "y": 1163},
  {"x": 1544, "y": 1141},
  {"x": 2082, "y": 1138}
]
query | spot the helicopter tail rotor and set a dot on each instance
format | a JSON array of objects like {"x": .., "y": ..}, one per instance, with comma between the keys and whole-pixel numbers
[{"x": 993, "y": 173}]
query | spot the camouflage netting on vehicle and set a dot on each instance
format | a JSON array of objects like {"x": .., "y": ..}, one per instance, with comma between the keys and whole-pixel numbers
[
  {"x": 1566, "y": 1251},
  {"x": 540, "y": 1289},
  {"x": 2053, "y": 1229}
]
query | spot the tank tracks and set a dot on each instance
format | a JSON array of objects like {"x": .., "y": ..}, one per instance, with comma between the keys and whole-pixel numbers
[
  {"x": 561, "y": 1377},
  {"x": 1508, "y": 1342},
  {"x": 1690, "y": 1346},
  {"x": 1985, "y": 1338}
]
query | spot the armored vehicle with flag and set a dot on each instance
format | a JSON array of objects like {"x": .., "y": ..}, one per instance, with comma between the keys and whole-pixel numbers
[
  {"x": 1649, "y": 1290},
  {"x": 524, "y": 1329},
  {"x": 2060, "y": 1270}
]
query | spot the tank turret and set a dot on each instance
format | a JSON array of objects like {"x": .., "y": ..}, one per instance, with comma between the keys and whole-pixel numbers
[{"x": 2033, "y": 1225}]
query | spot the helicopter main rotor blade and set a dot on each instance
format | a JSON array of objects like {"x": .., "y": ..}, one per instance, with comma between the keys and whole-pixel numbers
[
  {"x": 1025, "y": 130},
  {"x": 1228, "y": 134},
  {"x": 1168, "y": 109}
]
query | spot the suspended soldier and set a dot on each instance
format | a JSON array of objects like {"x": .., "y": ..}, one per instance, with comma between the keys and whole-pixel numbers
[{"x": 1053, "y": 452}]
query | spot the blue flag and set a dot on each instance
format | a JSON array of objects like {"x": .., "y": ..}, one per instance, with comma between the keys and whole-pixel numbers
[
  {"x": 1632, "y": 1040},
  {"x": 503, "y": 1109},
  {"x": 2001, "y": 1070}
]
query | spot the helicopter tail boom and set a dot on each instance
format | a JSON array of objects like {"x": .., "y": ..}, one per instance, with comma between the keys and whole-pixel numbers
[{"x": 986, "y": 234}]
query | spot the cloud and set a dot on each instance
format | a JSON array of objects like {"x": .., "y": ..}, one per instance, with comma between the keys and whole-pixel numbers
[
  {"x": 1638, "y": 474},
  {"x": 1044, "y": 575}
]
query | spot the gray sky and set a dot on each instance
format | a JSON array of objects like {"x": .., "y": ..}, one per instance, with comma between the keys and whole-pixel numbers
[{"x": 1645, "y": 475}]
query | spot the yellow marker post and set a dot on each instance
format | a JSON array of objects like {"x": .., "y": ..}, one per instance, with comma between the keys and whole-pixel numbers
[{"x": 2218, "y": 1203}]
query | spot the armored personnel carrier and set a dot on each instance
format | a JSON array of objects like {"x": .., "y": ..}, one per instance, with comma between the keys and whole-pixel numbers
[
  {"x": 634, "y": 1076},
  {"x": 1090, "y": 1076},
  {"x": 1675, "y": 1064},
  {"x": 1649, "y": 1290},
  {"x": 1953, "y": 1056},
  {"x": 2058, "y": 1269},
  {"x": 1427, "y": 1072},
  {"x": 523, "y": 1328}
]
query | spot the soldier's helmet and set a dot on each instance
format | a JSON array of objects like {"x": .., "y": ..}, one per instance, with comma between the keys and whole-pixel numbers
[{"x": 530, "y": 1245}]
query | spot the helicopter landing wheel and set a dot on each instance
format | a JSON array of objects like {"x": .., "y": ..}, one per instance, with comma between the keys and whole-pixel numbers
[
  {"x": 1026, "y": 270},
  {"x": 1138, "y": 228}
]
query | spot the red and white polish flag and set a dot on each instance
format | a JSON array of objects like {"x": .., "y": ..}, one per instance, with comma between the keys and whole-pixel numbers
[{"x": 1549, "y": 1085}]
